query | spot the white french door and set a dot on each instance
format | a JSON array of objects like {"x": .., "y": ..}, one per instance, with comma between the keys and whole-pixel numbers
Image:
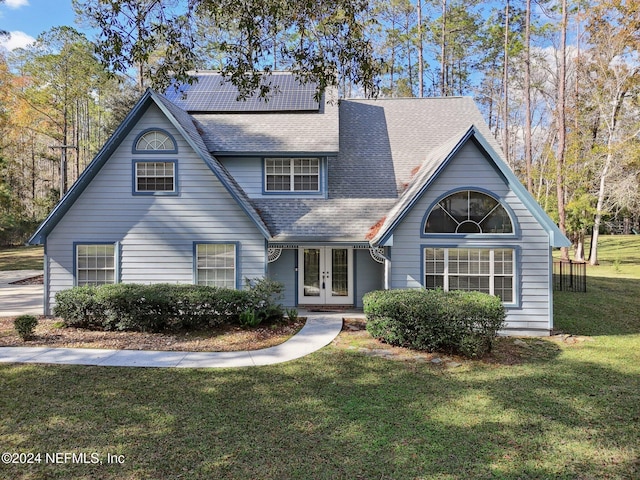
[{"x": 325, "y": 276}]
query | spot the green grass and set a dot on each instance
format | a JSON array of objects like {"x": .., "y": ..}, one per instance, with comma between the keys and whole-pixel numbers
[
  {"x": 611, "y": 305},
  {"x": 339, "y": 414},
  {"x": 620, "y": 248},
  {"x": 21, "y": 258}
]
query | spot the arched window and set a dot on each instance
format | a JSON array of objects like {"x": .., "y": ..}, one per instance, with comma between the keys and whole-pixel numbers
[
  {"x": 155, "y": 141},
  {"x": 468, "y": 211}
]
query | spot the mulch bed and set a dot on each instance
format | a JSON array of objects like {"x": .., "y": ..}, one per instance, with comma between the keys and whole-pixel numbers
[
  {"x": 37, "y": 280},
  {"x": 51, "y": 333}
]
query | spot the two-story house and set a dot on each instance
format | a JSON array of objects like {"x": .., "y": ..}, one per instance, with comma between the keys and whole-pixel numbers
[{"x": 332, "y": 197}]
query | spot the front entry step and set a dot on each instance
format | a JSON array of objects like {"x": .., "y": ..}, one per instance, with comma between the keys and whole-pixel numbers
[{"x": 328, "y": 308}]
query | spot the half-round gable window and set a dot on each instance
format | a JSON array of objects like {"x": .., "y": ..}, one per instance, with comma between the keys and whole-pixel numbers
[
  {"x": 156, "y": 141},
  {"x": 468, "y": 211}
]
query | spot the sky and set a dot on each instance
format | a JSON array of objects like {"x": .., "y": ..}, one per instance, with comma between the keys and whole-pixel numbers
[{"x": 26, "y": 19}]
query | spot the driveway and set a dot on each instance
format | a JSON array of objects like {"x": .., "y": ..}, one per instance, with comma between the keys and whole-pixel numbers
[{"x": 20, "y": 299}]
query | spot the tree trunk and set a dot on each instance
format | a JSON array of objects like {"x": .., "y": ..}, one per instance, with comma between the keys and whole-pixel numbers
[
  {"x": 579, "y": 253},
  {"x": 393, "y": 64},
  {"x": 77, "y": 138},
  {"x": 613, "y": 121},
  {"x": 141, "y": 77},
  {"x": 505, "y": 87},
  {"x": 63, "y": 155},
  {"x": 528, "y": 154},
  {"x": 409, "y": 65},
  {"x": 420, "y": 52},
  {"x": 33, "y": 170},
  {"x": 593, "y": 254},
  {"x": 443, "y": 51},
  {"x": 562, "y": 129}
]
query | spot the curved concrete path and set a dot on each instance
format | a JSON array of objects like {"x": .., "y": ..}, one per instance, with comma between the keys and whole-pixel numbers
[{"x": 319, "y": 330}]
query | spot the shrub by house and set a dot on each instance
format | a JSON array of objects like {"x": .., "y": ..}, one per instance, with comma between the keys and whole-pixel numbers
[
  {"x": 434, "y": 320},
  {"x": 165, "y": 307}
]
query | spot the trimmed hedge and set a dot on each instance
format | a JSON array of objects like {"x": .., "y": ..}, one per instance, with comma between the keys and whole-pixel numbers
[
  {"x": 456, "y": 322},
  {"x": 163, "y": 307}
]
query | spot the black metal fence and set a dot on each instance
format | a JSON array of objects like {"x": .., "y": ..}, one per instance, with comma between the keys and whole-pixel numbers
[{"x": 570, "y": 276}]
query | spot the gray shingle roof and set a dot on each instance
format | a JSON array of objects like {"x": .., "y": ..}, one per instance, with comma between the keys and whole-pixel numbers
[
  {"x": 323, "y": 220},
  {"x": 375, "y": 150},
  {"x": 390, "y": 151},
  {"x": 277, "y": 129},
  {"x": 385, "y": 138},
  {"x": 258, "y": 133}
]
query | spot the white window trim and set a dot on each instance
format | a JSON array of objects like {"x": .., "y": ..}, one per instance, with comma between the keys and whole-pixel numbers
[
  {"x": 492, "y": 275},
  {"x": 77, "y": 263},
  {"x": 174, "y": 170},
  {"x": 197, "y": 269},
  {"x": 292, "y": 175}
]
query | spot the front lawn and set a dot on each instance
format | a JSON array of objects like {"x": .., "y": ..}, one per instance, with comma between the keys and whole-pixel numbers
[
  {"x": 21, "y": 258},
  {"x": 572, "y": 413}
]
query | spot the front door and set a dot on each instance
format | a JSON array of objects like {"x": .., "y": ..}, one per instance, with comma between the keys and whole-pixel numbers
[{"x": 325, "y": 276}]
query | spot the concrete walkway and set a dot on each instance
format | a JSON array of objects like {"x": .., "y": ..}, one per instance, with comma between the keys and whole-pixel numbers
[
  {"x": 319, "y": 330},
  {"x": 20, "y": 299}
]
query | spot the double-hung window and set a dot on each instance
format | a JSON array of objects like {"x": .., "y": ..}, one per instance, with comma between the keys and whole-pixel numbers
[
  {"x": 216, "y": 264},
  {"x": 292, "y": 174},
  {"x": 155, "y": 177},
  {"x": 488, "y": 270},
  {"x": 95, "y": 264}
]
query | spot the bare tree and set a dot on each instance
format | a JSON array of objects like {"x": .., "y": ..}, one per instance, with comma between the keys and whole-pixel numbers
[
  {"x": 562, "y": 128},
  {"x": 615, "y": 79},
  {"x": 527, "y": 99}
]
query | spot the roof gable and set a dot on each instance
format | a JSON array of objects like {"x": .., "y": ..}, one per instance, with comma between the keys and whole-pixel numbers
[
  {"x": 437, "y": 161},
  {"x": 187, "y": 129}
]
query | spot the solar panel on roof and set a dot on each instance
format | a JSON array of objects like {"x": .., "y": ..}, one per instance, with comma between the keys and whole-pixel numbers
[{"x": 212, "y": 93}]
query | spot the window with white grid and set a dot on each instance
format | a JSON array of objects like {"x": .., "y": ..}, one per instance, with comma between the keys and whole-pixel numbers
[
  {"x": 292, "y": 174},
  {"x": 216, "y": 265},
  {"x": 468, "y": 212},
  {"x": 155, "y": 176},
  {"x": 95, "y": 264},
  {"x": 488, "y": 270},
  {"x": 155, "y": 140}
]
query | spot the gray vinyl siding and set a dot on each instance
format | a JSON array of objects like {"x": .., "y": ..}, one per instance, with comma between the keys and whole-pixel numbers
[
  {"x": 154, "y": 234},
  {"x": 283, "y": 270},
  {"x": 369, "y": 275},
  {"x": 247, "y": 171},
  {"x": 470, "y": 169}
]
